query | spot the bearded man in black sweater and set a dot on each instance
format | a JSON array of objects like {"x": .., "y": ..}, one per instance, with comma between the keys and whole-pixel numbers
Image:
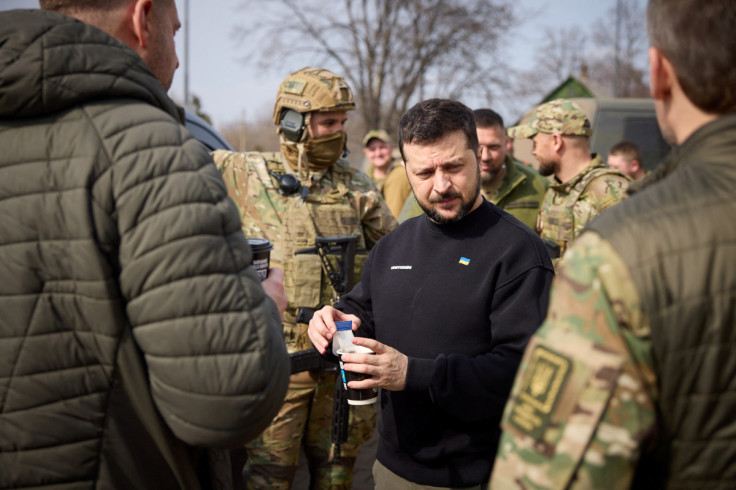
[{"x": 447, "y": 301}]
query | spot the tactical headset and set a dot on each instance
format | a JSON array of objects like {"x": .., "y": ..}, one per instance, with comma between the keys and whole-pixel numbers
[{"x": 292, "y": 125}]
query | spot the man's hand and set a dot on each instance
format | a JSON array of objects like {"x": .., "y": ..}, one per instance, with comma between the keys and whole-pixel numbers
[
  {"x": 387, "y": 367},
  {"x": 274, "y": 287},
  {"x": 322, "y": 326}
]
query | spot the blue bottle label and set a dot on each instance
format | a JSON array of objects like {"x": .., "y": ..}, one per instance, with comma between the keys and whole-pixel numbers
[{"x": 344, "y": 325}]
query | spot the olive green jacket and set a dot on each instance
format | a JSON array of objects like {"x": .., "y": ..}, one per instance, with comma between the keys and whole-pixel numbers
[
  {"x": 133, "y": 331},
  {"x": 522, "y": 192}
]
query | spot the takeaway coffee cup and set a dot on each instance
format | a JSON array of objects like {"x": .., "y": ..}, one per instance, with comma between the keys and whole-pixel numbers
[
  {"x": 357, "y": 397},
  {"x": 261, "y": 248}
]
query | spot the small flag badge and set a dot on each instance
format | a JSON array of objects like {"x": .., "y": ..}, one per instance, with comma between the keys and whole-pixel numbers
[{"x": 464, "y": 260}]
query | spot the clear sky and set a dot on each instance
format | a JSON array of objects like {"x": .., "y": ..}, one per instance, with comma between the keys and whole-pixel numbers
[{"x": 231, "y": 89}]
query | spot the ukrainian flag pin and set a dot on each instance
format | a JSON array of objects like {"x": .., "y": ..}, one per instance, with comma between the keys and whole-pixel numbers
[{"x": 464, "y": 260}]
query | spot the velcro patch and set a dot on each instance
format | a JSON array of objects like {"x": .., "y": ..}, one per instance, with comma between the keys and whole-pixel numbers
[
  {"x": 295, "y": 87},
  {"x": 542, "y": 384}
]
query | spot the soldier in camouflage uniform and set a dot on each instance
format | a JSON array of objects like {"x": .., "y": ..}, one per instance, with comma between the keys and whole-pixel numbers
[
  {"x": 305, "y": 191},
  {"x": 630, "y": 381},
  {"x": 583, "y": 186}
]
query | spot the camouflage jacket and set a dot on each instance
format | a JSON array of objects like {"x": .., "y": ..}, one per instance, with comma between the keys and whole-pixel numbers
[
  {"x": 569, "y": 206},
  {"x": 585, "y": 393},
  {"x": 341, "y": 201}
]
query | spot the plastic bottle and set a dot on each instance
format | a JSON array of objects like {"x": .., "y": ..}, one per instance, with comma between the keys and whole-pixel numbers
[{"x": 343, "y": 339}]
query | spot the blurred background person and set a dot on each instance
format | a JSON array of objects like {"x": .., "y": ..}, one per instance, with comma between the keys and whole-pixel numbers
[
  {"x": 378, "y": 150},
  {"x": 386, "y": 170},
  {"x": 626, "y": 158}
]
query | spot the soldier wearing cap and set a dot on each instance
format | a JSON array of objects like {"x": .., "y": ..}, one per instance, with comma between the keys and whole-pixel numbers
[
  {"x": 582, "y": 184},
  {"x": 387, "y": 172},
  {"x": 378, "y": 149},
  {"x": 305, "y": 191},
  {"x": 506, "y": 182}
]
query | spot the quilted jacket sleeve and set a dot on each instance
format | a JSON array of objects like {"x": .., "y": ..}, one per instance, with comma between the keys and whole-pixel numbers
[{"x": 211, "y": 338}]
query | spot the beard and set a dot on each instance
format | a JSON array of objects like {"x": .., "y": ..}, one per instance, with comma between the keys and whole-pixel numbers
[
  {"x": 486, "y": 177},
  {"x": 490, "y": 176},
  {"x": 465, "y": 207},
  {"x": 547, "y": 168}
]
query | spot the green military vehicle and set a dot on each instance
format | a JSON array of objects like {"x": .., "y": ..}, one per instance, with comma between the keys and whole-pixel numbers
[{"x": 613, "y": 120}]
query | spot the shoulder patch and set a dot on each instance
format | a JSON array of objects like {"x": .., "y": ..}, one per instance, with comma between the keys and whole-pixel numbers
[{"x": 542, "y": 384}]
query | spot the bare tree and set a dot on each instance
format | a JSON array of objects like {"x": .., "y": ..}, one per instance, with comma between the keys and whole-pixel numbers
[
  {"x": 622, "y": 39},
  {"x": 563, "y": 54},
  {"x": 610, "y": 59},
  {"x": 393, "y": 53}
]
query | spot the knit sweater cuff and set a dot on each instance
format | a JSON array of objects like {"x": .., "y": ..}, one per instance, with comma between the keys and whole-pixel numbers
[{"x": 418, "y": 373}]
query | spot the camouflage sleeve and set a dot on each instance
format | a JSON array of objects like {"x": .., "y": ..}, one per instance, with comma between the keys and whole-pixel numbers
[
  {"x": 602, "y": 193},
  {"x": 605, "y": 191},
  {"x": 583, "y": 398},
  {"x": 251, "y": 193},
  {"x": 375, "y": 216}
]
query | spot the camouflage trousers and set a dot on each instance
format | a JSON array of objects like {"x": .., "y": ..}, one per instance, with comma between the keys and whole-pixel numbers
[{"x": 306, "y": 418}]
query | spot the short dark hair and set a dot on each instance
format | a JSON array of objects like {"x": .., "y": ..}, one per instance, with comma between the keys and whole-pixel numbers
[
  {"x": 487, "y": 118},
  {"x": 432, "y": 119},
  {"x": 697, "y": 37},
  {"x": 626, "y": 149}
]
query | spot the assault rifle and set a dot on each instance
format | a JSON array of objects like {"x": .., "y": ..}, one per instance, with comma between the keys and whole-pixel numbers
[{"x": 343, "y": 249}]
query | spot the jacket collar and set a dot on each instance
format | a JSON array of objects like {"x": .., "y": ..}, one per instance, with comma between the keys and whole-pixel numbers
[
  {"x": 50, "y": 62},
  {"x": 679, "y": 156}
]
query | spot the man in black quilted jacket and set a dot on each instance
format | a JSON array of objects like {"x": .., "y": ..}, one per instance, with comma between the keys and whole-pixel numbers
[{"x": 134, "y": 333}]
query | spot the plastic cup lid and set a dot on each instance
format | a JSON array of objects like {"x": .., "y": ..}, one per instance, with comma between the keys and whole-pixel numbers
[{"x": 260, "y": 244}]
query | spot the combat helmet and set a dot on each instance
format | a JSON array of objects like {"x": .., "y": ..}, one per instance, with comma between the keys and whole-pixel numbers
[{"x": 312, "y": 90}]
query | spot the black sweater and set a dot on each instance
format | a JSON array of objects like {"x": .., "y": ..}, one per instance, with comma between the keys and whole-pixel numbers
[{"x": 461, "y": 301}]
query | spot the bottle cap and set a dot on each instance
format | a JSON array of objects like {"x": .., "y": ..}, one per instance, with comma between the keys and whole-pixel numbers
[{"x": 344, "y": 325}]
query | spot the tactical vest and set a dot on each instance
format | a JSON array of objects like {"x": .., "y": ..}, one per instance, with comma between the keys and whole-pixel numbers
[
  {"x": 557, "y": 217},
  {"x": 677, "y": 239},
  {"x": 321, "y": 214}
]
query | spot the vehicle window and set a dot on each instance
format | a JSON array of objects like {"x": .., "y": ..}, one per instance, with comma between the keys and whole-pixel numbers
[{"x": 642, "y": 130}]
